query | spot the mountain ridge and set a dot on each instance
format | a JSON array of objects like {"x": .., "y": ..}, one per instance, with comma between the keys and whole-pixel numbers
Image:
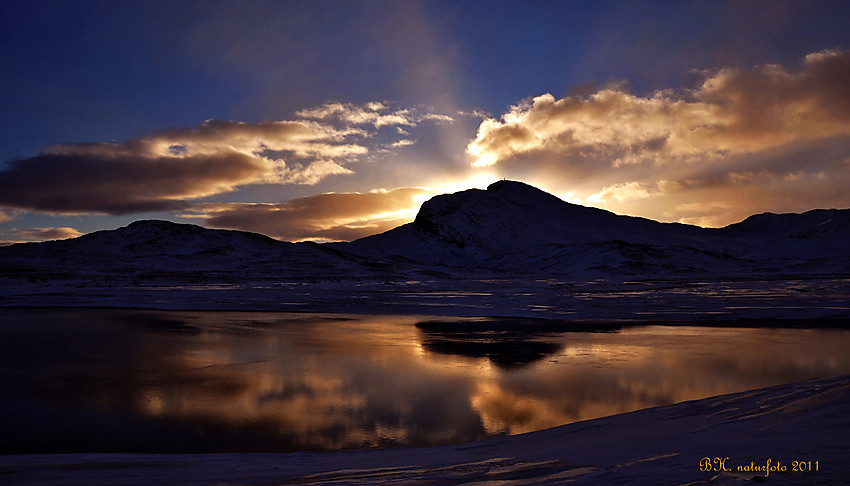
[
  {"x": 485, "y": 228},
  {"x": 508, "y": 227},
  {"x": 512, "y": 250}
]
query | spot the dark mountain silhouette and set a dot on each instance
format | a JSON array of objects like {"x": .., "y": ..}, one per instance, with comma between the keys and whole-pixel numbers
[
  {"x": 153, "y": 251},
  {"x": 510, "y": 250},
  {"x": 515, "y": 227},
  {"x": 509, "y": 228}
]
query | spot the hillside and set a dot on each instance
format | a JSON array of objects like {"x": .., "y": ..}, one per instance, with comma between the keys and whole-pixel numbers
[
  {"x": 514, "y": 227},
  {"x": 165, "y": 253},
  {"x": 510, "y": 250}
]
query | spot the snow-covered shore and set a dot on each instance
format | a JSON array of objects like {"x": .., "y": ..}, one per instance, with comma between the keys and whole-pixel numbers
[
  {"x": 760, "y": 435},
  {"x": 781, "y": 297}
]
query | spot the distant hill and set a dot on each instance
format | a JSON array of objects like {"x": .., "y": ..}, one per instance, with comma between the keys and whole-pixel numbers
[{"x": 153, "y": 251}]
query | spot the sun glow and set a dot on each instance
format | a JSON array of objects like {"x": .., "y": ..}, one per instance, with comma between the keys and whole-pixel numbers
[
  {"x": 478, "y": 180},
  {"x": 481, "y": 180}
]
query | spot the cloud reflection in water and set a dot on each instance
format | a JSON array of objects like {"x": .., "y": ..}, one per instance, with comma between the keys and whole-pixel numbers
[{"x": 218, "y": 381}]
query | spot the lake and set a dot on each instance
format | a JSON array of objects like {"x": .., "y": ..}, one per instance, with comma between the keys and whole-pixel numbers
[{"x": 110, "y": 380}]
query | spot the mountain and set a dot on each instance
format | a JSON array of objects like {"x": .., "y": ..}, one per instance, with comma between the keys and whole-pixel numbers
[
  {"x": 509, "y": 250},
  {"x": 514, "y": 227},
  {"x": 509, "y": 228},
  {"x": 166, "y": 253},
  {"x": 820, "y": 234}
]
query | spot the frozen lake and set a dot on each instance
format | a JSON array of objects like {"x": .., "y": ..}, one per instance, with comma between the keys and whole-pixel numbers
[{"x": 86, "y": 380}]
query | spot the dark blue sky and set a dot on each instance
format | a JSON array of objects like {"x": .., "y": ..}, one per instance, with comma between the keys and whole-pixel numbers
[{"x": 83, "y": 71}]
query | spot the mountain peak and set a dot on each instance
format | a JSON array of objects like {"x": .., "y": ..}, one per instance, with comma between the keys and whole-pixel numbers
[
  {"x": 509, "y": 185},
  {"x": 538, "y": 200},
  {"x": 152, "y": 230},
  {"x": 160, "y": 225},
  {"x": 515, "y": 191},
  {"x": 509, "y": 216},
  {"x": 154, "y": 237},
  {"x": 141, "y": 223}
]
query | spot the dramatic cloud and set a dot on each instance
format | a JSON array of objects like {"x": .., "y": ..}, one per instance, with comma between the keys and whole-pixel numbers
[
  {"x": 166, "y": 170},
  {"x": 621, "y": 192},
  {"x": 52, "y": 233},
  {"x": 7, "y": 215},
  {"x": 735, "y": 133},
  {"x": 375, "y": 114},
  {"x": 733, "y": 112},
  {"x": 333, "y": 216},
  {"x": 122, "y": 183},
  {"x": 15, "y": 235}
]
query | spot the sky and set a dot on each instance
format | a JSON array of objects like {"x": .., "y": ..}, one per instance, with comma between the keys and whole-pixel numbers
[{"x": 332, "y": 120}]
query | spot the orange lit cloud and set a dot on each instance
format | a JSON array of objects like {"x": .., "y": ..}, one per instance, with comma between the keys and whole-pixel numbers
[
  {"x": 767, "y": 138},
  {"x": 732, "y": 112},
  {"x": 8, "y": 215},
  {"x": 375, "y": 114},
  {"x": 52, "y": 233},
  {"x": 332, "y": 216},
  {"x": 15, "y": 235},
  {"x": 166, "y": 170}
]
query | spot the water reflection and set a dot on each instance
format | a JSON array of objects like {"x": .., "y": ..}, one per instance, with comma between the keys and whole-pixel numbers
[
  {"x": 507, "y": 342},
  {"x": 78, "y": 380}
]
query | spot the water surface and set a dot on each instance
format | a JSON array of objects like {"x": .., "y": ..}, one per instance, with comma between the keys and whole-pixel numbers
[{"x": 164, "y": 381}]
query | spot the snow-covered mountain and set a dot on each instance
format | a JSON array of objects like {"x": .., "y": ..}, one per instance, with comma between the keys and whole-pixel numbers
[
  {"x": 153, "y": 251},
  {"x": 820, "y": 234},
  {"x": 514, "y": 227},
  {"x": 510, "y": 227},
  {"x": 509, "y": 250}
]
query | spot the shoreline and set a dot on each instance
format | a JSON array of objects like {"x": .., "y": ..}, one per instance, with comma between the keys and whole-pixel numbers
[
  {"x": 537, "y": 323},
  {"x": 804, "y": 421},
  {"x": 686, "y": 298}
]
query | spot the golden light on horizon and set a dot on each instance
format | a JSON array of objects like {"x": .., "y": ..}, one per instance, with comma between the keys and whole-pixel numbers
[{"x": 476, "y": 180}]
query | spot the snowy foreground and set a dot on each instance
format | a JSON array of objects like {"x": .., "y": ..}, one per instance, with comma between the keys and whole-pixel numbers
[{"x": 760, "y": 435}]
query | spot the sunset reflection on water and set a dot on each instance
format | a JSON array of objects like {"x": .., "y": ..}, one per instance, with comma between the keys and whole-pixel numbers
[{"x": 205, "y": 381}]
